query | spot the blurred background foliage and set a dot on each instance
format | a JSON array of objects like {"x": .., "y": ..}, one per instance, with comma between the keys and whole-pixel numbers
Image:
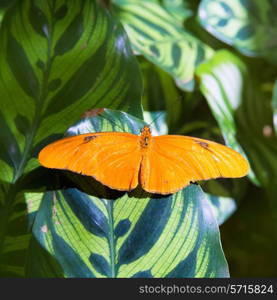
[{"x": 209, "y": 67}]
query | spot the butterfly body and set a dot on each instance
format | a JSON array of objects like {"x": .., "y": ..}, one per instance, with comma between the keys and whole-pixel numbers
[{"x": 160, "y": 164}]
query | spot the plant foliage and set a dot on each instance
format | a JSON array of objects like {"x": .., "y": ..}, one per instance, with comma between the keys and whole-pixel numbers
[{"x": 201, "y": 68}]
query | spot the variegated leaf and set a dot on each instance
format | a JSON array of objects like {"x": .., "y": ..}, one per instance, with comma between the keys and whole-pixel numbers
[
  {"x": 248, "y": 25},
  {"x": 44, "y": 87},
  {"x": 155, "y": 34},
  {"x": 176, "y": 236}
]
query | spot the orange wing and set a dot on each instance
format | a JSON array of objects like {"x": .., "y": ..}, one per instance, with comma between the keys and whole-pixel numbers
[
  {"x": 174, "y": 161},
  {"x": 113, "y": 158}
]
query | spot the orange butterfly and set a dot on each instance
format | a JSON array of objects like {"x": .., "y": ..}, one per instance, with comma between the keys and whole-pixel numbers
[{"x": 160, "y": 164}]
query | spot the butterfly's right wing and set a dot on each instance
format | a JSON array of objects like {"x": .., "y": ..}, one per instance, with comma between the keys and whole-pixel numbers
[
  {"x": 112, "y": 158},
  {"x": 174, "y": 161}
]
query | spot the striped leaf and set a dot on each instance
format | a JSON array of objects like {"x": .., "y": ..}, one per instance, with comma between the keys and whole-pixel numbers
[
  {"x": 243, "y": 113},
  {"x": 248, "y": 25},
  {"x": 58, "y": 58},
  {"x": 157, "y": 35},
  {"x": 14, "y": 233},
  {"x": 43, "y": 87},
  {"x": 115, "y": 234}
]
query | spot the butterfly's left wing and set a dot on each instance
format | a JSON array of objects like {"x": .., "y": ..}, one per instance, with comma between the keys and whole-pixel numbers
[
  {"x": 113, "y": 158},
  {"x": 174, "y": 161}
]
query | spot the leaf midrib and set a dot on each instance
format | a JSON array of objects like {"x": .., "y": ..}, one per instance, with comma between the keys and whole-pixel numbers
[
  {"x": 40, "y": 100},
  {"x": 111, "y": 238},
  {"x": 15, "y": 186}
]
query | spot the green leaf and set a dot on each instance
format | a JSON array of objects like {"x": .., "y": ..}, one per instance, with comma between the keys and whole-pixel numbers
[
  {"x": 48, "y": 87},
  {"x": 241, "y": 114},
  {"x": 249, "y": 25},
  {"x": 14, "y": 235},
  {"x": 155, "y": 34},
  {"x": 116, "y": 234},
  {"x": 58, "y": 59}
]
